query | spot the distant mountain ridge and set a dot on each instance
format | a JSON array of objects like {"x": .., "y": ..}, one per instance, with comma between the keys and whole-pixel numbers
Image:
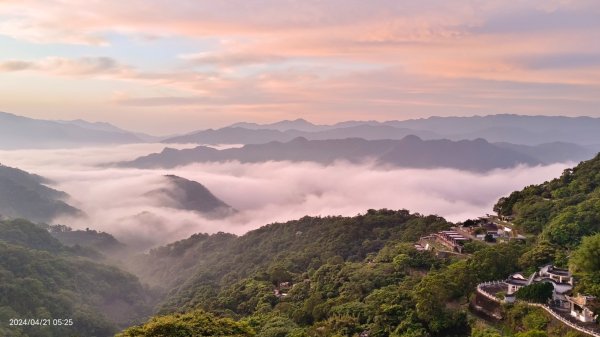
[
  {"x": 107, "y": 127},
  {"x": 555, "y": 152},
  {"x": 241, "y": 135},
  {"x": 411, "y": 151},
  {"x": 18, "y": 132},
  {"x": 297, "y": 124},
  {"x": 516, "y": 129}
]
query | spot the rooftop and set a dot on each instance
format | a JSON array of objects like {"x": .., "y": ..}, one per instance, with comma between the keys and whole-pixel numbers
[{"x": 558, "y": 271}]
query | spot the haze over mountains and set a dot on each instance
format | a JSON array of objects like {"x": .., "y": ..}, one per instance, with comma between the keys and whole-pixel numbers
[
  {"x": 144, "y": 209},
  {"x": 411, "y": 151},
  {"x": 24, "y": 195},
  {"x": 107, "y": 127},
  {"x": 517, "y": 129},
  {"x": 184, "y": 194},
  {"x": 18, "y": 132}
]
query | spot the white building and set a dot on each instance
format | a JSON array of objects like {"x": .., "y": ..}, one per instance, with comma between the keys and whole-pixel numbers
[
  {"x": 580, "y": 308},
  {"x": 561, "y": 280}
]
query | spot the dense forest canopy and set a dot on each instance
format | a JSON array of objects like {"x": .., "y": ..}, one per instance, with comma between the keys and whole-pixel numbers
[
  {"x": 562, "y": 210},
  {"x": 561, "y": 213},
  {"x": 332, "y": 275},
  {"x": 41, "y": 278}
]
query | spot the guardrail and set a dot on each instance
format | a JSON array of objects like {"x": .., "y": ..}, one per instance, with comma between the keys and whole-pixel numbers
[
  {"x": 485, "y": 293},
  {"x": 564, "y": 320},
  {"x": 539, "y": 305}
]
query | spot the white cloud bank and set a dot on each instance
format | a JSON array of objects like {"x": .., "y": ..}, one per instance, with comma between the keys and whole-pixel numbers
[{"x": 264, "y": 193}]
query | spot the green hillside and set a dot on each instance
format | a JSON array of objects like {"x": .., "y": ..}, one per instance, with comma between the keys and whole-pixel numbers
[
  {"x": 196, "y": 323},
  {"x": 210, "y": 262},
  {"x": 562, "y": 210},
  {"x": 41, "y": 278},
  {"x": 344, "y": 276},
  {"x": 24, "y": 195},
  {"x": 562, "y": 213}
]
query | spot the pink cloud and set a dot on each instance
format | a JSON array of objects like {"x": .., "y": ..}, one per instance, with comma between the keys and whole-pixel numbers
[{"x": 324, "y": 60}]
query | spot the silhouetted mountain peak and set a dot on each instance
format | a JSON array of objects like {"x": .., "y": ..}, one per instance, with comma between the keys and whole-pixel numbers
[
  {"x": 181, "y": 193},
  {"x": 170, "y": 150},
  {"x": 299, "y": 140},
  {"x": 412, "y": 151},
  {"x": 412, "y": 139}
]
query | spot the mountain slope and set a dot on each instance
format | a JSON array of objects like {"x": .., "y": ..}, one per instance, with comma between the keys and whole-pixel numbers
[
  {"x": 529, "y": 130},
  {"x": 231, "y": 135},
  {"x": 517, "y": 129},
  {"x": 556, "y": 152},
  {"x": 328, "y": 276},
  {"x": 240, "y": 135},
  {"x": 477, "y": 155},
  {"x": 191, "y": 196},
  {"x": 103, "y": 126},
  {"x": 209, "y": 261},
  {"x": 24, "y": 195},
  {"x": 563, "y": 210},
  {"x": 18, "y": 132},
  {"x": 88, "y": 238},
  {"x": 297, "y": 124},
  {"x": 345, "y": 276},
  {"x": 43, "y": 279}
]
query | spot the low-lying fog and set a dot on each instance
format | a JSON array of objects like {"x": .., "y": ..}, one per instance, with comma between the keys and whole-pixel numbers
[{"x": 114, "y": 200}]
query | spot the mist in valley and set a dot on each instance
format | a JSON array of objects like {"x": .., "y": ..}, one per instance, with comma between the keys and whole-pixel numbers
[{"x": 115, "y": 200}]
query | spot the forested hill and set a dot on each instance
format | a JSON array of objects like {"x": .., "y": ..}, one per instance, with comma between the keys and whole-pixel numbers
[
  {"x": 25, "y": 195},
  {"x": 297, "y": 246},
  {"x": 332, "y": 276},
  {"x": 345, "y": 276},
  {"x": 299, "y": 242},
  {"x": 181, "y": 193},
  {"x": 41, "y": 278},
  {"x": 563, "y": 210}
]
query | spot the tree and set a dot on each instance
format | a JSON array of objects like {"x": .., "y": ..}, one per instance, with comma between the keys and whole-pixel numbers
[
  {"x": 470, "y": 223},
  {"x": 484, "y": 332},
  {"x": 586, "y": 259},
  {"x": 532, "y": 333},
  {"x": 537, "y": 292},
  {"x": 535, "y": 320},
  {"x": 195, "y": 323},
  {"x": 279, "y": 274}
]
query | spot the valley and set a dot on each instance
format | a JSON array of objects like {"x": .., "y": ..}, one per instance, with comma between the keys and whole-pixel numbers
[{"x": 190, "y": 246}]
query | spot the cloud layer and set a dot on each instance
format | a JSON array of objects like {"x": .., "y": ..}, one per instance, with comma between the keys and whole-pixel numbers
[{"x": 264, "y": 193}]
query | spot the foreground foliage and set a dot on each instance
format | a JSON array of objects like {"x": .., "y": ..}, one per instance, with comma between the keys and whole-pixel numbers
[
  {"x": 41, "y": 278},
  {"x": 192, "y": 324},
  {"x": 562, "y": 212}
]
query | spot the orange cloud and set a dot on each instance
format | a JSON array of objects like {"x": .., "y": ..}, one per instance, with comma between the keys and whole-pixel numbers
[{"x": 330, "y": 60}]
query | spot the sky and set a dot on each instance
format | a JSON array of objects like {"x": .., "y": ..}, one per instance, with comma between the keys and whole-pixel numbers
[{"x": 173, "y": 66}]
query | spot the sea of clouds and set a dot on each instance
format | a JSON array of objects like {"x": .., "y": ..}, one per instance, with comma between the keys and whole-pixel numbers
[{"x": 114, "y": 199}]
